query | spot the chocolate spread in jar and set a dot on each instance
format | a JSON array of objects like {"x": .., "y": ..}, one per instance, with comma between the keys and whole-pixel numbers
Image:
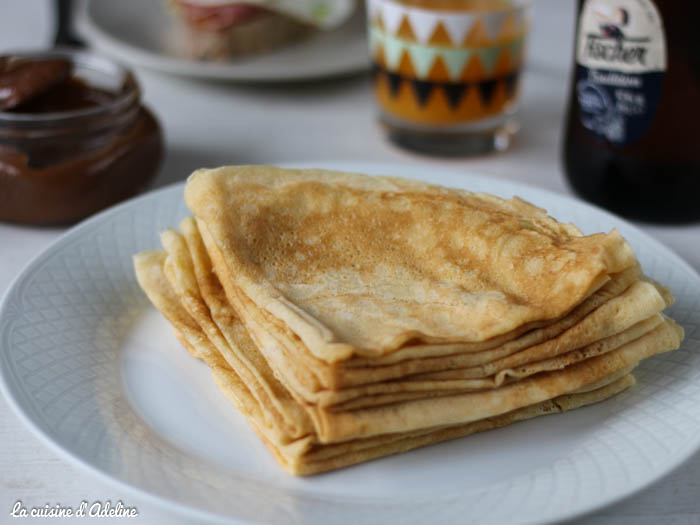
[
  {"x": 23, "y": 81},
  {"x": 69, "y": 149}
]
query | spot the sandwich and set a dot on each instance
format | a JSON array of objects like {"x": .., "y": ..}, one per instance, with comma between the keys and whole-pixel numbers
[{"x": 226, "y": 29}]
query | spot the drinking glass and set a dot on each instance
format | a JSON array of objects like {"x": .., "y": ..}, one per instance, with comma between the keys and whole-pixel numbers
[{"x": 446, "y": 72}]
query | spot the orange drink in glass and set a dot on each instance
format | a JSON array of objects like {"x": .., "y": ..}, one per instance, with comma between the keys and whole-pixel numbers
[{"x": 446, "y": 72}]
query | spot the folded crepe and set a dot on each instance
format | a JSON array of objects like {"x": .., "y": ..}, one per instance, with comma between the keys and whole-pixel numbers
[
  {"x": 351, "y": 317},
  {"x": 358, "y": 265},
  {"x": 618, "y": 320},
  {"x": 304, "y": 454}
]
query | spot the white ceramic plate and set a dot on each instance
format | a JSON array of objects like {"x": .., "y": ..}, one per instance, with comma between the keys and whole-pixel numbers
[
  {"x": 139, "y": 32},
  {"x": 95, "y": 371}
]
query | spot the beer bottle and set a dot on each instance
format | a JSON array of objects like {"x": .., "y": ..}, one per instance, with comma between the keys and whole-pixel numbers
[{"x": 632, "y": 142}]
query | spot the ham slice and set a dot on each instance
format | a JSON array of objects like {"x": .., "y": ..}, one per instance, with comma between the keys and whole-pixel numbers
[{"x": 219, "y": 17}]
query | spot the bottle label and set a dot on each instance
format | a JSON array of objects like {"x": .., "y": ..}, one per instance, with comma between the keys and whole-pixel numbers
[{"x": 620, "y": 67}]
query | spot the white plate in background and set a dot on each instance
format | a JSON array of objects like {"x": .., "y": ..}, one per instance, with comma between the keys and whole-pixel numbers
[{"x": 138, "y": 32}]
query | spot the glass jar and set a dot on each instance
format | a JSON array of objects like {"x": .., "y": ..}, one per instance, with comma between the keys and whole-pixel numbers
[{"x": 60, "y": 166}]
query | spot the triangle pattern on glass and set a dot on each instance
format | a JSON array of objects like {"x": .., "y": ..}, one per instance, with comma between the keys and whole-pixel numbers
[
  {"x": 510, "y": 28},
  {"x": 393, "y": 48},
  {"x": 457, "y": 27},
  {"x": 392, "y": 16},
  {"x": 394, "y": 82},
  {"x": 477, "y": 34},
  {"x": 455, "y": 93},
  {"x": 473, "y": 71},
  {"x": 504, "y": 63},
  {"x": 373, "y": 41},
  {"x": 423, "y": 23},
  {"x": 493, "y": 22},
  {"x": 379, "y": 57},
  {"x": 489, "y": 57},
  {"x": 373, "y": 10},
  {"x": 423, "y": 58},
  {"x": 515, "y": 47},
  {"x": 405, "y": 31},
  {"x": 522, "y": 19},
  {"x": 406, "y": 68},
  {"x": 440, "y": 37},
  {"x": 422, "y": 91},
  {"x": 486, "y": 90},
  {"x": 511, "y": 82},
  {"x": 439, "y": 73},
  {"x": 456, "y": 60}
]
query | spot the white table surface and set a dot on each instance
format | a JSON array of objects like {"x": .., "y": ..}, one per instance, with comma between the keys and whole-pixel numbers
[{"x": 209, "y": 124}]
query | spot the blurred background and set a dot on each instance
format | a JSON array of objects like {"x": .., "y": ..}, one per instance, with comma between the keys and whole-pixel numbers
[
  {"x": 274, "y": 111},
  {"x": 209, "y": 123}
]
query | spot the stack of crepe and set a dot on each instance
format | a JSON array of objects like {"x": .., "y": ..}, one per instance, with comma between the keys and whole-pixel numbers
[{"x": 351, "y": 317}]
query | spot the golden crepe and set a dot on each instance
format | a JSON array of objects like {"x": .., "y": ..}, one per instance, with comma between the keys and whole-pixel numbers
[
  {"x": 360, "y": 265},
  {"x": 305, "y": 456},
  {"x": 218, "y": 320},
  {"x": 638, "y": 302},
  {"x": 323, "y": 420},
  {"x": 352, "y": 317}
]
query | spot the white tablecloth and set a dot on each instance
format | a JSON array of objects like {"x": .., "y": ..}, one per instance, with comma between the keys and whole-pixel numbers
[{"x": 208, "y": 124}]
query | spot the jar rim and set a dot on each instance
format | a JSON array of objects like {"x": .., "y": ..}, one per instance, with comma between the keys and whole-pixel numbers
[{"x": 126, "y": 96}]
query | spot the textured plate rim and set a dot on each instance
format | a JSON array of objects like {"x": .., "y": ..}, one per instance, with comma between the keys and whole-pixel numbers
[
  {"x": 129, "y": 53},
  {"x": 194, "y": 512}
]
